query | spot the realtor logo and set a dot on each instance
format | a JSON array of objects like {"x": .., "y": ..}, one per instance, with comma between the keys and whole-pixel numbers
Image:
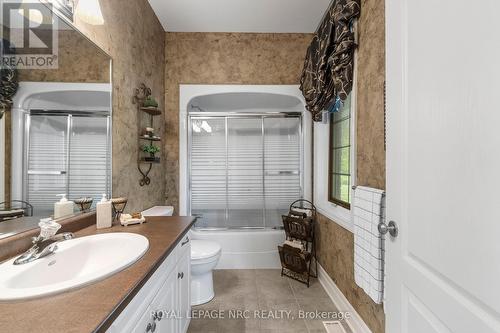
[{"x": 29, "y": 31}]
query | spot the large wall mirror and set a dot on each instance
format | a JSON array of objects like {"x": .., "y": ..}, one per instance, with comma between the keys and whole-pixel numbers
[{"x": 56, "y": 137}]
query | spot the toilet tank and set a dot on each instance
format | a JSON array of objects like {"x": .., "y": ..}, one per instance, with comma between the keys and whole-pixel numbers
[{"x": 159, "y": 211}]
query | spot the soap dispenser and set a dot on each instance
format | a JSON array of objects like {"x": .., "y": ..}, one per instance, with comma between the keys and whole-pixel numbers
[
  {"x": 104, "y": 215},
  {"x": 63, "y": 207}
]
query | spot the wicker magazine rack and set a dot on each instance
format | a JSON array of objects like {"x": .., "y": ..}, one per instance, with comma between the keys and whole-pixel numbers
[{"x": 297, "y": 259}]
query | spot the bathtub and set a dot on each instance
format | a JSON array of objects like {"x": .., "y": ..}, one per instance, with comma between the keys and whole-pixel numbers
[{"x": 245, "y": 249}]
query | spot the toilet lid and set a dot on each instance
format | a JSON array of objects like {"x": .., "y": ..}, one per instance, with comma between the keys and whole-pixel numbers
[{"x": 201, "y": 249}]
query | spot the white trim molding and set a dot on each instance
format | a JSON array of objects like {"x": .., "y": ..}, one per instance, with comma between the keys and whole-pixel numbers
[
  {"x": 341, "y": 303},
  {"x": 336, "y": 213}
]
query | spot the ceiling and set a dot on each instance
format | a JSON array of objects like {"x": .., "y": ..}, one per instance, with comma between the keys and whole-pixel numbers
[{"x": 278, "y": 16}]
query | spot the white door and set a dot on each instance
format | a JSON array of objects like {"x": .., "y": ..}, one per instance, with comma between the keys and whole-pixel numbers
[{"x": 443, "y": 166}]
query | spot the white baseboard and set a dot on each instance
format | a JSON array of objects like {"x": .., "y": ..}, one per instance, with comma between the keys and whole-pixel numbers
[{"x": 354, "y": 321}]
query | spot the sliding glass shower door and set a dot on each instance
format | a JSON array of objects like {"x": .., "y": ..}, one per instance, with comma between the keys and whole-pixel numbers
[
  {"x": 245, "y": 175},
  {"x": 47, "y": 161},
  {"x": 244, "y": 170},
  {"x": 208, "y": 180},
  {"x": 282, "y": 165},
  {"x": 66, "y": 153}
]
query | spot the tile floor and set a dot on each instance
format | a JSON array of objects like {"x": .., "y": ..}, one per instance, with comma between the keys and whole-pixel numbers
[{"x": 266, "y": 292}]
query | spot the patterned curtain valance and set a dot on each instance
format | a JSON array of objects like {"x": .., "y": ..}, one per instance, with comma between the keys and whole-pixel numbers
[{"x": 328, "y": 69}]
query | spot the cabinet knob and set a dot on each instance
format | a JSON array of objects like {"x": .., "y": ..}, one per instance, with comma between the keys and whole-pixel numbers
[
  {"x": 151, "y": 327},
  {"x": 158, "y": 315},
  {"x": 180, "y": 275}
]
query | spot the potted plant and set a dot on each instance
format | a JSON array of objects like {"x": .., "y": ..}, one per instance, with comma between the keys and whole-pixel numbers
[
  {"x": 150, "y": 102},
  {"x": 151, "y": 150}
]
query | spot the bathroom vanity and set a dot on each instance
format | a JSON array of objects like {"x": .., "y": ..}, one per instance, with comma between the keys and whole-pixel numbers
[
  {"x": 163, "y": 303},
  {"x": 151, "y": 295}
]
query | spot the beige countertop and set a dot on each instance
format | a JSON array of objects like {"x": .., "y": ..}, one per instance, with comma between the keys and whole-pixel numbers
[{"x": 94, "y": 307}]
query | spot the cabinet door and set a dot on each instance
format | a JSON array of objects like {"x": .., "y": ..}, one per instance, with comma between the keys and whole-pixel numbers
[
  {"x": 146, "y": 323},
  {"x": 184, "y": 290},
  {"x": 165, "y": 306},
  {"x": 131, "y": 318}
]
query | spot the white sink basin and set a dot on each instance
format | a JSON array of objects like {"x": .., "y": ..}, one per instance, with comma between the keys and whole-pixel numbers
[{"x": 75, "y": 263}]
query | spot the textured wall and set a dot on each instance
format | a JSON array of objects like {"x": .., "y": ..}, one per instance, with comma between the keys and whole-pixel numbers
[
  {"x": 134, "y": 38},
  {"x": 336, "y": 244},
  {"x": 231, "y": 58},
  {"x": 223, "y": 58},
  {"x": 78, "y": 61},
  {"x": 336, "y": 256},
  {"x": 370, "y": 95}
]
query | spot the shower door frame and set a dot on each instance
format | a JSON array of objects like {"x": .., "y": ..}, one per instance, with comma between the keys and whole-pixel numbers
[
  {"x": 69, "y": 115},
  {"x": 242, "y": 115}
]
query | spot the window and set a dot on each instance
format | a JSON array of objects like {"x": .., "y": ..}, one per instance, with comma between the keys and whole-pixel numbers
[{"x": 339, "y": 174}]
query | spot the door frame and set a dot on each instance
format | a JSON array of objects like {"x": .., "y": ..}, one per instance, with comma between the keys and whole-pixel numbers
[{"x": 396, "y": 103}]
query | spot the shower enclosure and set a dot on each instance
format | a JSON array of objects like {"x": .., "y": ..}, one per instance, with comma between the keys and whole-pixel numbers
[
  {"x": 61, "y": 142},
  {"x": 243, "y": 158},
  {"x": 65, "y": 153},
  {"x": 245, "y": 169}
]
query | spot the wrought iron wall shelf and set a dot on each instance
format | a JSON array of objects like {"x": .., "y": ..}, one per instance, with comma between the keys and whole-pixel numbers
[
  {"x": 141, "y": 94},
  {"x": 151, "y": 111},
  {"x": 145, "y": 160},
  {"x": 149, "y": 139}
]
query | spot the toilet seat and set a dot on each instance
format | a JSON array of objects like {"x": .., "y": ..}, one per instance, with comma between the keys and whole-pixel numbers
[{"x": 202, "y": 249}]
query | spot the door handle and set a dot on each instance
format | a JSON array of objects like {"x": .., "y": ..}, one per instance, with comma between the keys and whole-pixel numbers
[
  {"x": 185, "y": 242},
  {"x": 392, "y": 228},
  {"x": 41, "y": 172},
  {"x": 280, "y": 173},
  {"x": 180, "y": 275}
]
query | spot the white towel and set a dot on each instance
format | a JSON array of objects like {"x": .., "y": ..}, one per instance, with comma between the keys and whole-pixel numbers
[{"x": 369, "y": 211}]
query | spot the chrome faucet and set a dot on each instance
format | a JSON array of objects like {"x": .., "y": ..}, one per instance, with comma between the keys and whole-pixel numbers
[{"x": 45, "y": 243}]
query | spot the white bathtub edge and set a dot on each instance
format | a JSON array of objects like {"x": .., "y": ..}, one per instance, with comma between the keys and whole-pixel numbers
[{"x": 245, "y": 249}]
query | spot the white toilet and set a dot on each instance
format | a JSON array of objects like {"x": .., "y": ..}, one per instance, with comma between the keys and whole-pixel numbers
[{"x": 204, "y": 257}]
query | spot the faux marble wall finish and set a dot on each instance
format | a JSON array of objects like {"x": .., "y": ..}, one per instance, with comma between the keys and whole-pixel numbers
[
  {"x": 370, "y": 95},
  {"x": 223, "y": 58},
  {"x": 336, "y": 244},
  {"x": 335, "y": 247},
  {"x": 134, "y": 38},
  {"x": 78, "y": 61}
]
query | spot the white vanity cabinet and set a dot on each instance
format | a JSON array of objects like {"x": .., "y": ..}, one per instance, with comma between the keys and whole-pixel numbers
[
  {"x": 184, "y": 290},
  {"x": 164, "y": 302}
]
